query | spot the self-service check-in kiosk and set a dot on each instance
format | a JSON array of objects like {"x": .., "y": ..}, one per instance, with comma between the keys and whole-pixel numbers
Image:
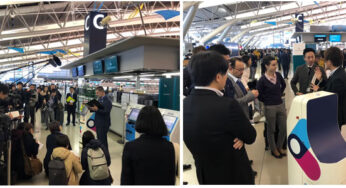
[
  {"x": 170, "y": 117},
  {"x": 87, "y": 122},
  {"x": 317, "y": 149}
]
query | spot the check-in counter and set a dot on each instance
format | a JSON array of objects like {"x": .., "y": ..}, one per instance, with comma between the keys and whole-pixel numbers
[{"x": 117, "y": 119}]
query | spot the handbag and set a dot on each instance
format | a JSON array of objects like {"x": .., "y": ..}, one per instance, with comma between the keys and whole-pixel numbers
[
  {"x": 32, "y": 165},
  {"x": 177, "y": 161}
]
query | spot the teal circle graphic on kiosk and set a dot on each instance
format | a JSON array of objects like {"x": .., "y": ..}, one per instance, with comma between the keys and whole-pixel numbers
[{"x": 299, "y": 145}]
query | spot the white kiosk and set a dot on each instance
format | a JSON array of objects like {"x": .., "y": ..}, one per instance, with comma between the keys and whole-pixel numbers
[
  {"x": 171, "y": 118},
  {"x": 317, "y": 149},
  {"x": 86, "y": 122}
]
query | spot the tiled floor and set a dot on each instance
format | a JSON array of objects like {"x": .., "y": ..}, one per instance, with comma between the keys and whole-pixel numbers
[
  {"x": 270, "y": 170},
  {"x": 115, "y": 150}
]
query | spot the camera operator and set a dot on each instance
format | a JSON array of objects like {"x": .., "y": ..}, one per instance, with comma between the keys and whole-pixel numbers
[{"x": 30, "y": 104}]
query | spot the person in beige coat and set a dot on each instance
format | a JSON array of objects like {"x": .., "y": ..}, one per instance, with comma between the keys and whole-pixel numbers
[{"x": 72, "y": 162}]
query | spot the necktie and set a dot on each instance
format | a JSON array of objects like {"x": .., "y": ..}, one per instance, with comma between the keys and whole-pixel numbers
[
  {"x": 241, "y": 87},
  {"x": 310, "y": 70}
]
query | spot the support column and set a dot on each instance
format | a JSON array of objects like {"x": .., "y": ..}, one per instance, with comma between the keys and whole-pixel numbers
[
  {"x": 217, "y": 31},
  {"x": 189, "y": 17},
  {"x": 224, "y": 33}
]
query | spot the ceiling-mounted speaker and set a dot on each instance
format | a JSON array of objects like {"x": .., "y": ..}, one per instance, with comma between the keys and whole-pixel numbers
[
  {"x": 57, "y": 60},
  {"x": 52, "y": 62}
]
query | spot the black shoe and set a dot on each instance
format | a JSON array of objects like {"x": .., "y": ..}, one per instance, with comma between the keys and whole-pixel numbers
[
  {"x": 185, "y": 183},
  {"x": 67, "y": 124},
  {"x": 251, "y": 162},
  {"x": 254, "y": 173},
  {"x": 186, "y": 166},
  {"x": 46, "y": 128},
  {"x": 282, "y": 154},
  {"x": 74, "y": 124},
  {"x": 278, "y": 157}
]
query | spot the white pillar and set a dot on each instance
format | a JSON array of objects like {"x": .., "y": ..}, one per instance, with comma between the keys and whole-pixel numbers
[
  {"x": 217, "y": 30},
  {"x": 189, "y": 17},
  {"x": 224, "y": 33}
]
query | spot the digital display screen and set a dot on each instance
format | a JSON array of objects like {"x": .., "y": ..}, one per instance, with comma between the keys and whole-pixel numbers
[
  {"x": 98, "y": 67},
  {"x": 335, "y": 38},
  {"x": 320, "y": 38},
  {"x": 74, "y": 72},
  {"x": 133, "y": 114},
  {"x": 169, "y": 121},
  {"x": 111, "y": 64},
  {"x": 81, "y": 70}
]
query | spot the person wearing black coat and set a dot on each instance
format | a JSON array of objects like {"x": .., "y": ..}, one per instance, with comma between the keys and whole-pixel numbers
[
  {"x": 336, "y": 83},
  {"x": 215, "y": 127},
  {"x": 30, "y": 144},
  {"x": 55, "y": 128},
  {"x": 89, "y": 142},
  {"x": 102, "y": 116},
  {"x": 71, "y": 106},
  {"x": 149, "y": 159}
]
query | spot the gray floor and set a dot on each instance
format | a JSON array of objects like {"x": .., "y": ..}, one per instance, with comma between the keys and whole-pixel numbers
[
  {"x": 270, "y": 170},
  {"x": 73, "y": 133}
]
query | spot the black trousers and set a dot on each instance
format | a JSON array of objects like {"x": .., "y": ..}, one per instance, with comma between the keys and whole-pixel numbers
[
  {"x": 29, "y": 113},
  {"x": 101, "y": 131},
  {"x": 69, "y": 113},
  {"x": 286, "y": 68}
]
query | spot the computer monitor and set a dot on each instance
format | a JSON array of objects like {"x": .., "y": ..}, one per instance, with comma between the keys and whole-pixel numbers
[
  {"x": 111, "y": 64},
  {"x": 320, "y": 38},
  {"x": 335, "y": 38},
  {"x": 81, "y": 70},
  {"x": 74, "y": 72},
  {"x": 169, "y": 121},
  {"x": 98, "y": 67},
  {"x": 134, "y": 114}
]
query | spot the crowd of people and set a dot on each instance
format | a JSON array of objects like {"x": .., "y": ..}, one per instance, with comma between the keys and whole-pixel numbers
[
  {"x": 148, "y": 160},
  {"x": 218, "y": 90}
]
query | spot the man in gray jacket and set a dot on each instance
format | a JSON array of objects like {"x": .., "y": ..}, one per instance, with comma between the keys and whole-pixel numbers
[
  {"x": 234, "y": 87},
  {"x": 305, "y": 73}
]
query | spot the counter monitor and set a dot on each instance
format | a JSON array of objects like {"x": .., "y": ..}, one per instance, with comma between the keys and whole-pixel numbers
[
  {"x": 111, "y": 64},
  {"x": 169, "y": 121},
  {"x": 133, "y": 114}
]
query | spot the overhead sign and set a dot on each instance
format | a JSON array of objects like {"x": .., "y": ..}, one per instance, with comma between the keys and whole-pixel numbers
[
  {"x": 299, "y": 22},
  {"x": 95, "y": 35}
]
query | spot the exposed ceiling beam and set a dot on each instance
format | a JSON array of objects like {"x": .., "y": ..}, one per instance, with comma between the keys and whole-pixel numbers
[{"x": 148, "y": 19}]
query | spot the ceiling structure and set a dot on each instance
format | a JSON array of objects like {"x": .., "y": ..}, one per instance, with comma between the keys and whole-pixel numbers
[
  {"x": 248, "y": 20},
  {"x": 44, "y": 26}
]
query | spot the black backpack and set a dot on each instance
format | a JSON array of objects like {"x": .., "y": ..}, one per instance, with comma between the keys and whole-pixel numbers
[{"x": 57, "y": 172}]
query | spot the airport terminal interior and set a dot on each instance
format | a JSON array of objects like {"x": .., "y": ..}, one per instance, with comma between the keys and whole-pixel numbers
[
  {"x": 256, "y": 29},
  {"x": 130, "y": 49}
]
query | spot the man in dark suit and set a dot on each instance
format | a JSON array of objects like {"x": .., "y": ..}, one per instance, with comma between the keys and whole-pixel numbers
[
  {"x": 215, "y": 127},
  {"x": 71, "y": 106},
  {"x": 305, "y": 73},
  {"x": 285, "y": 60},
  {"x": 102, "y": 116},
  {"x": 336, "y": 82}
]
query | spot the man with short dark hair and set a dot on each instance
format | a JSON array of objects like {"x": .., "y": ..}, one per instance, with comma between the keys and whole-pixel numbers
[
  {"x": 336, "y": 82},
  {"x": 305, "y": 74},
  {"x": 30, "y": 104},
  {"x": 222, "y": 49},
  {"x": 102, "y": 116},
  {"x": 71, "y": 100},
  {"x": 215, "y": 127}
]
